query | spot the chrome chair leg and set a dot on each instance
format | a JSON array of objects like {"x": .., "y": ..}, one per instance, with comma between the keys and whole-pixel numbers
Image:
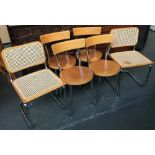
[
  {"x": 136, "y": 80},
  {"x": 116, "y": 88},
  {"x": 71, "y": 109},
  {"x": 25, "y": 112},
  {"x": 92, "y": 90}
]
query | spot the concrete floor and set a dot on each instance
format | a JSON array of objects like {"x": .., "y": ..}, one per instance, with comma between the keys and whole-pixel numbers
[{"x": 134, "y": 109}]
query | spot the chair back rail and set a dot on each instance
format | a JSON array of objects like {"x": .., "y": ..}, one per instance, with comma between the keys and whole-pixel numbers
[
  {"x": 83, "y": 31},
  {"x": 56, "y": 36}
]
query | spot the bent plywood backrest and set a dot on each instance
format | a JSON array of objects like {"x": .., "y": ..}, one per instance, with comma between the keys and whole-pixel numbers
[
  {"x": 24, "y": 56},
  {"x": 82, "y": 31},
  {"x": 68, "y": 45},
  {"x": 56, "y": 36},
  {"x": 100, "y": 39},
  {"x": 124, "y": 37}
]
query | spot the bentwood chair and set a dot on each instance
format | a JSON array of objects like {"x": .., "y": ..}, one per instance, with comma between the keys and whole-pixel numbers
[
  {"x": 103, "y": 67},
  {"x": 33, "y": 85},
  {"x": 76, "y": 75},
  {"x": 87, "y": 32},
  {"x": 129, "y": 59},
  {"x": 65, "y": 60}
]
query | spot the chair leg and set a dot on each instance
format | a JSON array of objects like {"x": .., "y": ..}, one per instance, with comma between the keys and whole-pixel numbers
[
  {"x": 60, "y": 104},
  {"x": 116, "y": 89},
  {"x": 26, "y": 114},
  {"x": 71, "y": 109},
  {"x": 92, "y": 90},
  {"x": 136, "y": 80}
]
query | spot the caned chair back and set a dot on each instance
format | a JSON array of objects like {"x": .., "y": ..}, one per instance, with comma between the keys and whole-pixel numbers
[
  {"x": 56, "y": 36},
  {"x": 100, "y": 39},
  {"x": 68, "y": 45},
  {"x": 124, "y": 37},
  {"x": 83, "y": 31},
  {"x": 24, "y": 56}
]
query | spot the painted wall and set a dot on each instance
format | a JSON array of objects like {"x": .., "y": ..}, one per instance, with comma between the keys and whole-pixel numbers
[{"x": 4, "y": 35}]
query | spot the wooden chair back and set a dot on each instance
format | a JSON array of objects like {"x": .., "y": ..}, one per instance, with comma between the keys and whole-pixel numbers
[
  {"x": 68, "y": 45},
  {"x": 100, "y": 39},
  {"x": 83, "y": 31},
  {"x": 56, "y": 36}
]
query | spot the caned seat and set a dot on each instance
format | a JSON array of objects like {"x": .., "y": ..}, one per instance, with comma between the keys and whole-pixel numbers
[
  {"x": 128, "y": 59},
  {"x": 36, "y": 84},
  {"x": 105, "y": 68},
  {"x": 93, "y": 53},
  {"x": 65, "y": 59}
]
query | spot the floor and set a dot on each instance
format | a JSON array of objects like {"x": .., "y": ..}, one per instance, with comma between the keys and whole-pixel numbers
[{"x": 134, "y": 109}]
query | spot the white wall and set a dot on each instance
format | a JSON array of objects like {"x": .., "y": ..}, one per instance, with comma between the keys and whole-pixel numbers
[{"x": 4, "y": 35}]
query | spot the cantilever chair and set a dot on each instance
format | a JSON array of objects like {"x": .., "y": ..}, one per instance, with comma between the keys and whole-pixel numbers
[
  {"x": 76, "y": 75},
  {"x": 33, "y": 85},
  {"x": 129, "y": 59},
  {"x": 103, "y": 67},
  {"x": 65, "y": 60},
  {"x": 87, "y": 32}
]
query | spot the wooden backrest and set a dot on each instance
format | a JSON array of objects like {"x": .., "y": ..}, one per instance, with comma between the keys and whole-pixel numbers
[
  {"x": 68, "y": 45},
  {"x": 83, "y": 31},
  {"x": 24, "y": 56},
  {"x": 124, "y": 37},
  {"x": 56, "y": 36},
  {"x": 100, "y": 39}
]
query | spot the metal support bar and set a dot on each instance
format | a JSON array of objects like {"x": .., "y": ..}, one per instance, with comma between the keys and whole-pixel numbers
[
  {"x": 92, "y": 90},
  {"x": 61, "y": 105},
  {"x": 25, "y": 112},
  {"x": 71, "y": 109},
  {"x": 117, "y": 84},
  {"x": 136, "y": 80}
]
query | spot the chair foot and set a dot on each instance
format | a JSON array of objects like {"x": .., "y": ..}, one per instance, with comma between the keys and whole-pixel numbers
[
  {"x": 136, "y": 80},
  {"x": 25, "y": 112}
]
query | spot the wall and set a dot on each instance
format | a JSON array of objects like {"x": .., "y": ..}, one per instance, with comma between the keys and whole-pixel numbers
[{"x": 4, "y": 35}]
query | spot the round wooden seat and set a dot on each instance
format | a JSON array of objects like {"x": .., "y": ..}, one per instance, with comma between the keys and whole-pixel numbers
[
  {"x": 76, "y": 75},
  {"x": 105, "y": 68},
  {"x": 65, "y": 61},
  {"x": 93, "y": 55}
]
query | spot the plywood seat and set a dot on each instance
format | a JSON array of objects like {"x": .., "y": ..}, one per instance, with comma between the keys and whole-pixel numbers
[
  {"x": 105, "y": 68},
  {"x": 65, "y": 61},
  {"x": 93, "y": 55},
  {"x": 129, "y": 59},
  {"x": 34, "y": 85},
  {"x": 76, "y": 75}
]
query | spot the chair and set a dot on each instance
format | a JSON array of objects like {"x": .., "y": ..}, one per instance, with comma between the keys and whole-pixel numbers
[
  {"x": 33, "y": 85},
  {"x": 103, "y": 67},
  {"x": 76, "y": 75},
  {"x": 93, "y": 53},
  {"x": 129, "y": 59},
  {"x": 66, "y": 60}
]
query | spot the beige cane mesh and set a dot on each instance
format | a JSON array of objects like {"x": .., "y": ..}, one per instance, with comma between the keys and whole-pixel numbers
[
  {"x": 23, "y": 56},
  {"x": 36, "y": 84},
  {"x": 124, "y": 37}
]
